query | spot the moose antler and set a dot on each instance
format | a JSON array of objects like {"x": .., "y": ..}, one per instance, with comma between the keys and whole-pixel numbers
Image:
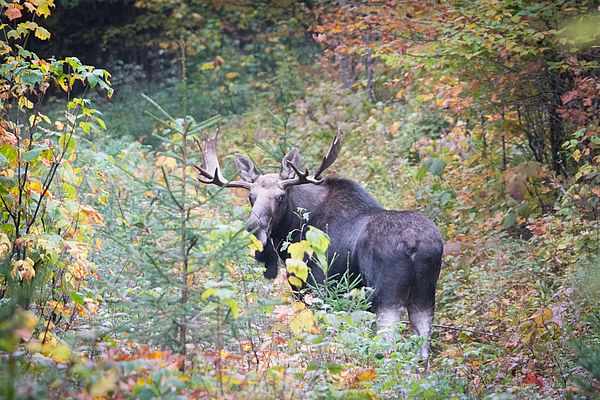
[
  {"x": 211, "y": 163},
  {"x": 328, "y": 159}
]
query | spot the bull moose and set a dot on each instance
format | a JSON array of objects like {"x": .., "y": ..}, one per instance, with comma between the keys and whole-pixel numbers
[{"x": 396, "y": 253}]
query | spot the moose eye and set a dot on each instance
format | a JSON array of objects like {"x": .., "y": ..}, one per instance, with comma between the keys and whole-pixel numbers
[{"x": 280, "y": 198}]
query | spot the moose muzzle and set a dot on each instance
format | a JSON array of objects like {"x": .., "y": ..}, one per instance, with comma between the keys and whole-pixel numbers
[{"x": 261, "y": 232}]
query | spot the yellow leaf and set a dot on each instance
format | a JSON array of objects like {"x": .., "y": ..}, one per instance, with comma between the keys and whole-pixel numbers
[
  {"x": 92, "y": 215},
  {"x": 56, "y": 306},
  {"x": 102, "y": 176},
  {"x": 303, "y": 322},
  {"x": 541, "y": 316},
  {"x": 34, "y": 120},
  {"x": 59, "y": 353},
  {"x": 47, "y": 339},
  {"x": 23, "y": 268},
  {"x": 43, "y": 9},
  {"x": 35, "y": 186},
  {"x": 255, "y": 245},
  {"x": 104, "y": 385},
  {"x": 298, "y": 268},
  {"x": 142, "y": 380},
  {"x": 298, "y": 305},
  {"x": 155, "y": 355},
  {"x": 295, "y": 281},
  {"x": 231, "y": 75},
  {"x": 5, "y": 245},
  {"x": 42, "y": 33},
  {"x": 29, "y": 25},
  {"x": 451, "y": 230},
  {"x": 232, "y": 380},
  {"x": 367, "y": 375},
  {"x": 168, "y": 162},
  {"x": 297, "y": 250},
  {"x": 24, "y": 102}
]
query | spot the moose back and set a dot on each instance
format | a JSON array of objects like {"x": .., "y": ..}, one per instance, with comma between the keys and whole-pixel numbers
[{"x": 397, "y": 253}]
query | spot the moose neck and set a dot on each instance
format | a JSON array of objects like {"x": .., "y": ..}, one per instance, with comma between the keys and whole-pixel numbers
[
  {"x": 301, "y": 199},
  {"x": 334, "y": 202}
]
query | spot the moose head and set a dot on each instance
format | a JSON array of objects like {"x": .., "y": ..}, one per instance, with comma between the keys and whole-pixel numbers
[{"x": 267, "y": 193}]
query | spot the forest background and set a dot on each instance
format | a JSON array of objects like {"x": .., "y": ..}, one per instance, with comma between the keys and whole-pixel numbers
[{"x": 123, "y": 277}]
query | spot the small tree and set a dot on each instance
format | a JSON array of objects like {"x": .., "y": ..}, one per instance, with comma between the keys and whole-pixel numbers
[{"x": 45, "y": 211}]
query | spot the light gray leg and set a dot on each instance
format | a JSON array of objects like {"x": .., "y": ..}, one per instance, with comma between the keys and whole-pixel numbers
[
  {"x": 387, "y": 322},
  {"x": 421, "y": 321}
]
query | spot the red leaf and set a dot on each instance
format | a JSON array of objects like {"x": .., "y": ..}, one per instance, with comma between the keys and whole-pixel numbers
[
  {"x": 531, "y": 378},
  {"x": 13, "y": 13},
  {"x": 567, "y": 97}
]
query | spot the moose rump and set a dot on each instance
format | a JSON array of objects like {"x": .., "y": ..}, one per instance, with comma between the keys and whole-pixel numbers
[{"x": 399, "y": 255}]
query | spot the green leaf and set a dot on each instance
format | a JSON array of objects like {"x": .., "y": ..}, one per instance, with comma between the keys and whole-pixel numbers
[
  {"x": 208, "y": 292},
  {"x": 233, "y": 306},
  {"x": 9, "y": 152},
  {"x": 31, "y": 155},
  {"x": 6, "y": 184},
  {"x": 32, "y": 77},
  {"x": 510, "y": 219},
  {"x": 68, "y": 141},
  {"x": 524, "y": 209},
  {"x": 76, "y": 297},
  {"x": 437, "y": 166},
  {"x": 85, "y": 127},
  {"x": 334, "y": 368},
  {"x": 421, "y": 172},
  {"x": 101, "y": 122},
  {"x": 318, "y": 239}
]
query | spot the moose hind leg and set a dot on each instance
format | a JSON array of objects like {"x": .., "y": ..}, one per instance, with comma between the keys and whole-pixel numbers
[
  {"x": 421, "y": 320},
  {"x": 387, "y": 322}
]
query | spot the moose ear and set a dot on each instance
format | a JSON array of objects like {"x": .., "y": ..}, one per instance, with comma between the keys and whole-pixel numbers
[
  {"x": 246, "y": 168},
  {"x": 292, "y": 157}
]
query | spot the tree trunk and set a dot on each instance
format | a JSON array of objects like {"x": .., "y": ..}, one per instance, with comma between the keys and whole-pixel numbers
[{"x": 556, "y": 126}]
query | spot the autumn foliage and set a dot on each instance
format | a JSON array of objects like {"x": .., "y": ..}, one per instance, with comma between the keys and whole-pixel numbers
[{"x": 122, "y": 277}]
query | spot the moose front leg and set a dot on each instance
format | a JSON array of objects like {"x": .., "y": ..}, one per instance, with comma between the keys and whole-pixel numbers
[{"x": 270, "y": 258}]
